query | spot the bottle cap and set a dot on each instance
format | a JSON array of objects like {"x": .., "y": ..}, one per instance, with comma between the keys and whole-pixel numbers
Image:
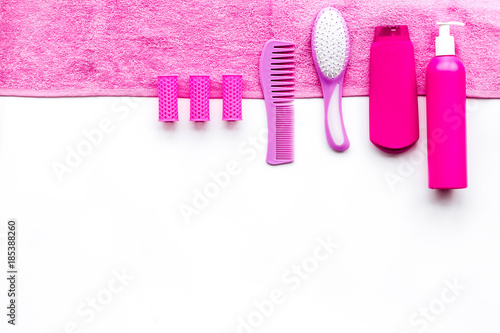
[
  {"x": 445, "y": 43},
  {"x": 392, "y": 33}
]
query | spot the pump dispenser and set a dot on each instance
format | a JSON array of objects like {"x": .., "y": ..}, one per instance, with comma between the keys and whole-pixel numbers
[
  {"x": 445, "y": 43},
  {"x": 446, "y": 126}
]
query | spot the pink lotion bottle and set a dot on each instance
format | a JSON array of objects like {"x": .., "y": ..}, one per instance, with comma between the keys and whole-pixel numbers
[{"x": 446, "y": 128}]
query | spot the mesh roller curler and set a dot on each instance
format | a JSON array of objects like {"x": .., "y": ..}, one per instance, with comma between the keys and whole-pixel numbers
[
  {"x": 199, "y": 93},
  {"x": 167, "y": 98},
  {"x": 231, "y": 97}
]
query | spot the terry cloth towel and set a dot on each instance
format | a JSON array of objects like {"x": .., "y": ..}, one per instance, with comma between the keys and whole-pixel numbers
[{"x": 119, "y": 47}]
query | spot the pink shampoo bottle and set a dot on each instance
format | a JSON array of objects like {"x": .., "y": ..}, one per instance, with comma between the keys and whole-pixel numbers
[
  {"x": 393, "y": 90},
  {"x": 446, "y": 127}
]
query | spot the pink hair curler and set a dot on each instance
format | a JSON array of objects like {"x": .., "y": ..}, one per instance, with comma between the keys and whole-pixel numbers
[
  {"x": 167, "y": 98},
  {"x": 231, "y": 97},
  {"x": 199, "y": 93}
]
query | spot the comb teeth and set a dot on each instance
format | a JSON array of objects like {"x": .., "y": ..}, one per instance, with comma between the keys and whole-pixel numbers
[
  {"x": 284, "y": 132},
  {"x": 277, "y": 67},
  {"x": 282, "y": 74}
]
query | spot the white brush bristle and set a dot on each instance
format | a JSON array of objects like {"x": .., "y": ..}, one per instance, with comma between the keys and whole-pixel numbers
[{"x": 331, "y": 43}]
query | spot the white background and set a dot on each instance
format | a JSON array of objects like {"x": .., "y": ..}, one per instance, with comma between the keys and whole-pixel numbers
[{"x": 399, "y": 246}]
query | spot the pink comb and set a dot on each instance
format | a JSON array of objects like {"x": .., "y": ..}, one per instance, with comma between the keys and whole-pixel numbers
[
  {"x": 199, "y": 93},
  {"x": 277, "y": 80},
  {"x": 231, "y": 97},
  {"x": 167, "y": 98}
]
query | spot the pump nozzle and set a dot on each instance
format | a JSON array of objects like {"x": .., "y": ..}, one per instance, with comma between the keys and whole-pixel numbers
[{"x": 445, "y": 43}]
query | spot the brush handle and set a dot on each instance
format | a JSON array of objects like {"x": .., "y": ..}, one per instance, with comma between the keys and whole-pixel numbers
[{"x": 334, "y": 123}]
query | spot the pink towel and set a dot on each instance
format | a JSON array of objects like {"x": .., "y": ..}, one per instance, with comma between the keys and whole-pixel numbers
[{"x": 119, "y": 47}]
